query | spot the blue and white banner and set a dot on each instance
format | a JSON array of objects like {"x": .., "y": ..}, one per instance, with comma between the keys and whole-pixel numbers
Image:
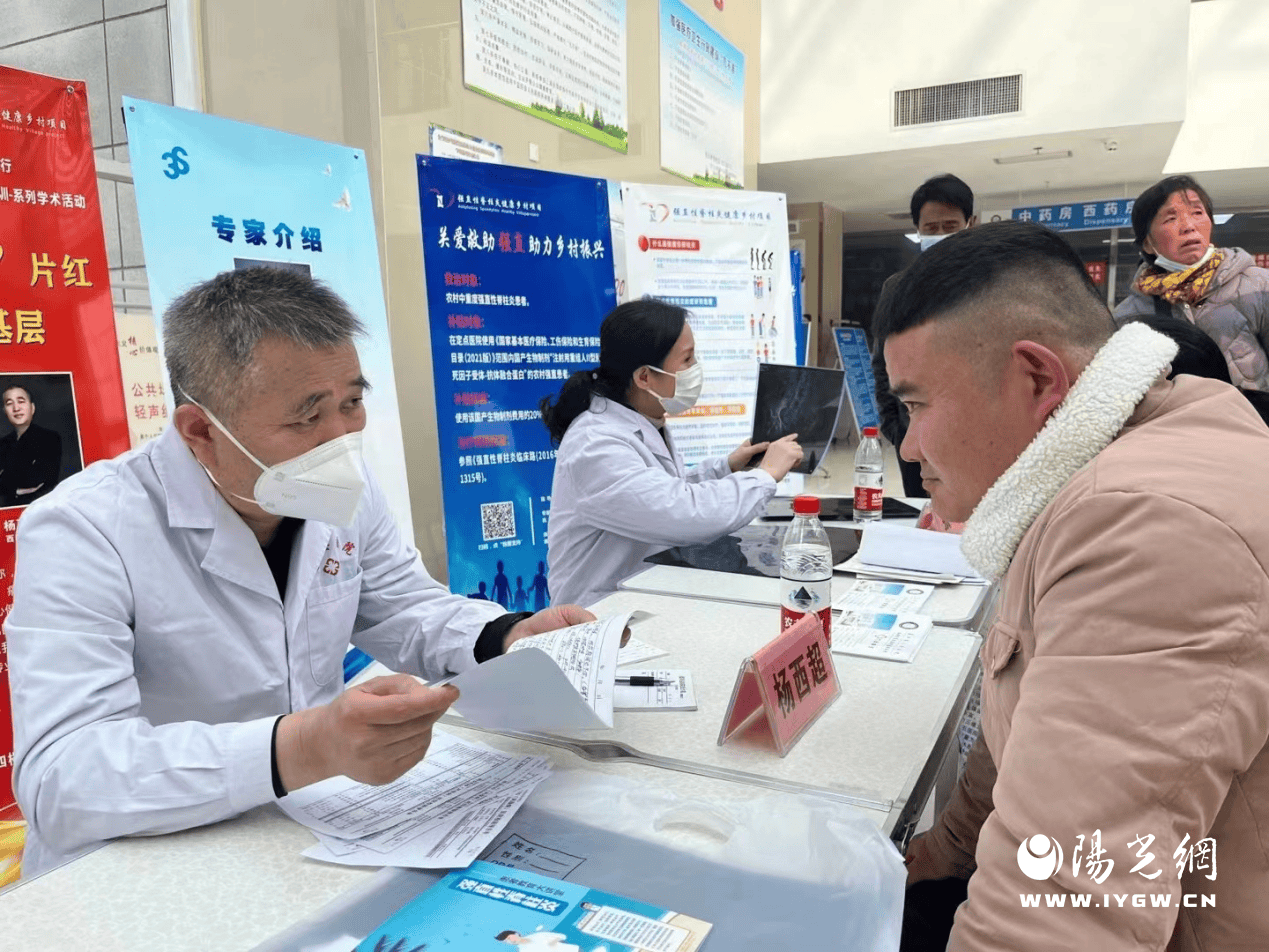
[
  {"x": 214, "y": 195},
  {"x": 797, "y": 278},
  {"x": 519, "y": 271},
  {"x": 702, "y": 100},
  {"x": 861, "y": 385},
  {"x": 1080, "y": 216},
  {"x": 724, "y": 256}
]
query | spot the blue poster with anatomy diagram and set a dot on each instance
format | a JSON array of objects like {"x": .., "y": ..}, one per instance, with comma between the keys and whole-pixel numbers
[{"x": 519, "y": 272}]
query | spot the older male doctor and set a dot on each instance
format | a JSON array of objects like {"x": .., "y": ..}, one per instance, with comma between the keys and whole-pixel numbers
[{"x": 181, "y": 613}]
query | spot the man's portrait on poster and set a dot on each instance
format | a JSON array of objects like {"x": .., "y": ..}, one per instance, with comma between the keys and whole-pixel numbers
[{"x": 39, "y": 436}]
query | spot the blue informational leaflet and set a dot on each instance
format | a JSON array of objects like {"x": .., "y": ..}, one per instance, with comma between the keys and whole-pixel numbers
[{"x": 488, "y": 908}]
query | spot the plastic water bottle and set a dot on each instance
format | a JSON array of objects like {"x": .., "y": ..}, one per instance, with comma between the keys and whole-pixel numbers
[
  {"x": 806, "y": 567},
  {"x": 869, "y": 474}
]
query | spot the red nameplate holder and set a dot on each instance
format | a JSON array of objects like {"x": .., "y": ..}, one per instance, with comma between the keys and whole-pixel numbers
[{"x": 791, "y": 680}]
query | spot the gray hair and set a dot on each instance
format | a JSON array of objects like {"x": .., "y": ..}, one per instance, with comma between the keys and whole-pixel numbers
[{"x": 210, "y": 332}]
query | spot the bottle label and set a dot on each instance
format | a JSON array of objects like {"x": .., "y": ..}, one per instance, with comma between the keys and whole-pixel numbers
[
  {"x": 798, "y": 598},
  {"x": 868, "y": 499}
]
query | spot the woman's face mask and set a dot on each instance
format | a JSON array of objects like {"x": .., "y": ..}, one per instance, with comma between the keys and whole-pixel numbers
[
  {"x": 1167, "y": 264},
  {"x": 325, "y": 484},
  {"x": 687, "y": 388}
]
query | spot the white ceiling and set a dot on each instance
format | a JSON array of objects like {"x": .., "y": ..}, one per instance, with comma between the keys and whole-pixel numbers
[{"x": 874, "y": 190}]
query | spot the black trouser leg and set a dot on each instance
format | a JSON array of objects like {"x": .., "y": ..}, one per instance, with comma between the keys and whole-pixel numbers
[{"x": 928, "y": 909}]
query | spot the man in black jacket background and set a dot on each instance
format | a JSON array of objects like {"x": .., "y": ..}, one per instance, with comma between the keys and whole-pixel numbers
[
  {"x": 942, "y": 206},
  {"x": 30, "y": 456}
]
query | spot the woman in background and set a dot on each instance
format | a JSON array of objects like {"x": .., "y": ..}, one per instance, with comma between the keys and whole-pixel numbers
[{"x": 621, "y": 490}]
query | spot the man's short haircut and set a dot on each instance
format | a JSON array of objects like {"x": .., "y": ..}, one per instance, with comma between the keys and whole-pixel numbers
[
  {"x": 506, "y": 934},
  {"x": 16, "y": 386},
  {"x": 945, "y": 189},
  {"x": 210, "y": 332},
  {"x": 1025, "y": 279},
  {"x": 1155, "y": 197}
]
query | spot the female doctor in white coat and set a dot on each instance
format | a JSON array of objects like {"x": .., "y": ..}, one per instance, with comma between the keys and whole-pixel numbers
[{"x": 621, "y": 490}]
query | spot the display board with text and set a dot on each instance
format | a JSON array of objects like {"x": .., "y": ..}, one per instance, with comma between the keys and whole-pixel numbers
[
  {"x": 563, "y": 61},
  {"x": 702, "y": 100},
  {"x": 59, "y": 365},
  {"x": 216, "y": 195},
  {"x": 725, "y": 257},
  {"x": 519, "y": 271}
]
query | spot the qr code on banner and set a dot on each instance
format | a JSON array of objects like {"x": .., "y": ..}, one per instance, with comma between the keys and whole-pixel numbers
[{"x": 497, "y": 520}]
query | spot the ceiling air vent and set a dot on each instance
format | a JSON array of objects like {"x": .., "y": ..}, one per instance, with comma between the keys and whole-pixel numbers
[{"x": 997, "y": 96}]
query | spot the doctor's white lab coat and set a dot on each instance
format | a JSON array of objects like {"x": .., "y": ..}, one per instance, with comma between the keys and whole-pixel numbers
[
  {"x": 622, "y": 492},
  {"x": 150, "y": 653}
]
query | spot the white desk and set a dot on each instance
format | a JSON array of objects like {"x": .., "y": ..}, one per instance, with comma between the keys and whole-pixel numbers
[
  {"x": 233, "y": 885},
  {"x": 954, "y": 606},
  {"x": 878, "y": 746}
]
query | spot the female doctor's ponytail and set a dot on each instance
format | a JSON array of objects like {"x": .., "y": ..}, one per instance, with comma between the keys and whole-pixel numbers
[{"x": 633, "y": 335}]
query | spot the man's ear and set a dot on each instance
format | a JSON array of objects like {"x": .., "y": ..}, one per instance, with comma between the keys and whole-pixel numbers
[
  {"x": 973, "y": 220},
  {"x": 195, "y": 429},
  {"x": 1047, "y": 380}
]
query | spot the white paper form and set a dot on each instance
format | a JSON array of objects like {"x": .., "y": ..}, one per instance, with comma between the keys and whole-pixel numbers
[
  {"x": 912, "y": 549},
  {"x": 881, "y": 596},
  {"x": 675, "y": 694},
  {"x": 635, "y": 651},
  {"x": 587, "y": 654},
  {"x": 891, "y": 637},
  {"x": 864, "y": 570},
  {"x": 446, "y": 845},
  {"x": 447, "y": 807},
  {"x": 559, "y": 680},
  {"x": 454, "y": 773}
]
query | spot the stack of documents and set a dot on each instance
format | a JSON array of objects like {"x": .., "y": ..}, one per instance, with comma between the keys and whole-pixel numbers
[
  {"x": 887, "y": 635},
  {"x": 876, "y": 619},
  {"x": 560, "y": 680},
  {"x": 439, "y": 815},
  {"x": 882, "y": 596},
  {"x": 635, "y": 651},
  {"x": 902, "y": 552}
]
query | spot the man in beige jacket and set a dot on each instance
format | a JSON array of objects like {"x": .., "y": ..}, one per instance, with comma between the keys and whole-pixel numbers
[{"x": 1119, "y": 795}]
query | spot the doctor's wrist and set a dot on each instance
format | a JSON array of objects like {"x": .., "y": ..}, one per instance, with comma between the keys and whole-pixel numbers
[
  {"x": 299, "y": 760},
  {"x": 493, "y": 637}
]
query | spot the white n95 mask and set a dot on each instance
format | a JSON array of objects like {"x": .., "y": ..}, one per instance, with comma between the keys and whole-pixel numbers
[
  {"x": 687, "y": 388},
  {"x": 325, "y": 484}
]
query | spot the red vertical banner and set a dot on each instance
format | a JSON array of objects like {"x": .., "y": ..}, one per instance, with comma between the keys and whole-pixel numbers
[{"x": 59, "y": 363}]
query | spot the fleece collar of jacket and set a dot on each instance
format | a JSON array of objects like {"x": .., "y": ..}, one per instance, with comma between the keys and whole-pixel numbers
[{"x": 1101, "y": 401}]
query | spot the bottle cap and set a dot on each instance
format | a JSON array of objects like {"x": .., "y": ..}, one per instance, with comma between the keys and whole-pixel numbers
[
  {"x": 870, "y": 431},
  {"x": 806, "y": 505}
]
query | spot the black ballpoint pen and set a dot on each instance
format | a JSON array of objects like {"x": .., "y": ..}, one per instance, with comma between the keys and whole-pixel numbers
[{"x": 642, "y": 681}]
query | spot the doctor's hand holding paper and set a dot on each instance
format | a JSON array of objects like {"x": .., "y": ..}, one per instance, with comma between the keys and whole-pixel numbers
[
  {"x": 621, "y": 489},
  {"x": 181, "y": 613}
]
